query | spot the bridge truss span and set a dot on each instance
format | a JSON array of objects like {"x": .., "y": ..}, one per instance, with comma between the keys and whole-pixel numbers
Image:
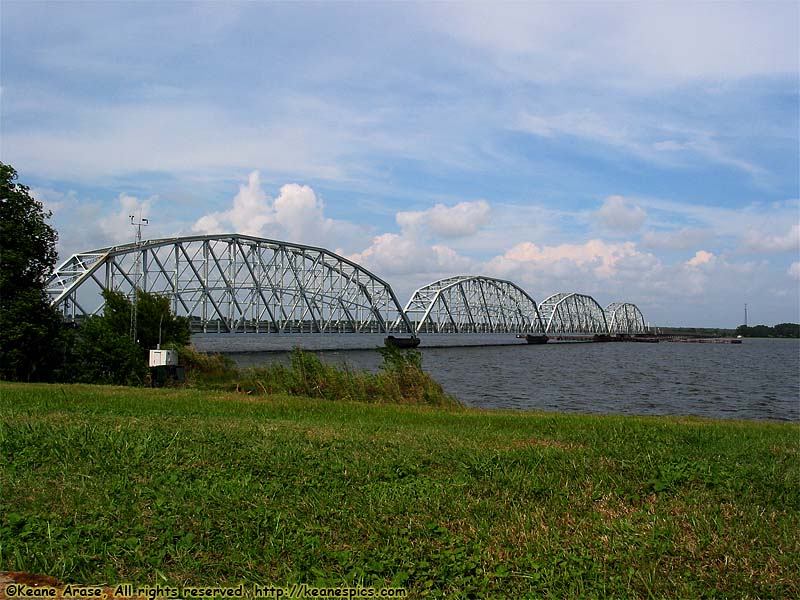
[
  {"x": 239, "y": 283},
  {"x": 235, "y": 283},
  {"x": 473, "y": 304},
  {"x": 573, "y": 313},
  {"x": 625, "y": 318}
]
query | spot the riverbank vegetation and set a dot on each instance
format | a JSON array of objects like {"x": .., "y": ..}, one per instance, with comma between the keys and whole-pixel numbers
[
  {"x": 200, "y": 487},
  {"x": 400, "y": 379},
  {"x": 781, "y": 330}
]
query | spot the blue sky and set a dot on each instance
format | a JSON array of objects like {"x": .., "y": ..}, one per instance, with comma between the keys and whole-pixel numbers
[{"x": 646, "y": 152}]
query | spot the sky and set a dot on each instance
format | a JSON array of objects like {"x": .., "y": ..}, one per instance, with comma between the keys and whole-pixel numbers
[{"x": 641, "y": 152}]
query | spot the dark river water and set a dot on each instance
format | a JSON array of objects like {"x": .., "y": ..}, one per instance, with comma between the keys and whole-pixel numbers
[{"x": 759, "y": 379}]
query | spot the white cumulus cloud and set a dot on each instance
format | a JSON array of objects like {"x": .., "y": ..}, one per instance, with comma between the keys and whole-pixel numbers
[
  {"x": 405, "y": 254},
  {"x": 700, "y": 258},
  {"x": 681, "y": 239},
  {"x": 462, "y": 219},
  {"x": 116, "y": 227},
  {"x": 782, "y": 242},
  {"x": 296, "y": 215},
  {"x": 595, "y": 266},
  {"x": 620, "y": 215},
  {"x": 251, "y": 213}
]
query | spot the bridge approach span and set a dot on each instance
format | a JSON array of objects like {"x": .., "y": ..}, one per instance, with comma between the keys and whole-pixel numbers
[{"x": 235, "y": 283}]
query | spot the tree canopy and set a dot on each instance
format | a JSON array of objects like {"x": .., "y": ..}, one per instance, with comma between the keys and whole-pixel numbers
[
  {"x": 30, "y": 330},
  {"x": 782, "y": 330},
  {"x": 155, "y": 323},
  {"x": 104, "y": 351}
]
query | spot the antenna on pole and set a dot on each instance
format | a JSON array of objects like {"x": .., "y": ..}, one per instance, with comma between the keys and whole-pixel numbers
[{"x": 136, "y": 271}]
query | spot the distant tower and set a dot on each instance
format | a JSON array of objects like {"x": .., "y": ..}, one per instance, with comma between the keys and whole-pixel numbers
[
  {"x": 745, "y": 314},
  {"x": 136, "y": 268}
]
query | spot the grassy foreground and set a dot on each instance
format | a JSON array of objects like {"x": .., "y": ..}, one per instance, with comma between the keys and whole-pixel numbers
[{"x": 189, "y": 487}]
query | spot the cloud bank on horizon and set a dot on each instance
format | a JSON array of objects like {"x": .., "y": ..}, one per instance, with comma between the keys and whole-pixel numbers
[{"x": 638, "y": 152}]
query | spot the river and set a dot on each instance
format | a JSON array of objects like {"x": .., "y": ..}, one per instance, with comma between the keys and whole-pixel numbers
[{"x": 759, "y": 379}]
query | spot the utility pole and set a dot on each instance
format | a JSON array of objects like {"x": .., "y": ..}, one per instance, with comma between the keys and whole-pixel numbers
[{"x": 136, "y": 268}]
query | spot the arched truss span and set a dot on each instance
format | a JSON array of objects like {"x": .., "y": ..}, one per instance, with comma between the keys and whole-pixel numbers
[
  {"x": 571, "y": 313},
  {"x": 235, "y": 283},
  {"x": 473, "y": 304},
  {"x": 623, "y": 317}
]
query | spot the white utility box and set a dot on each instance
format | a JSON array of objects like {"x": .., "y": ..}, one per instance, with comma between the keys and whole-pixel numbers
[{"x": 163, "y": 358}]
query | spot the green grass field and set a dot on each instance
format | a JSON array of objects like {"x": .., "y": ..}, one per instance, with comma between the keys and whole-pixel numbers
[{"x": 187, "y": 487}]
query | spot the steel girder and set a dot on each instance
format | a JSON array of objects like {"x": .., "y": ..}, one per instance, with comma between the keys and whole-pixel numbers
[
  {"x": 623, "y": 317},
  {"x": 572, "y": 313},
  {"x": 235, "y": 283},
  {"x": 473, "y": 304}
]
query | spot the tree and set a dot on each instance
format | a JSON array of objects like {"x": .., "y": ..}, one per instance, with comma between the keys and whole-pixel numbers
[
  {"x": 101, "y": 354},
  {"x": 155, "y": 323},
  {"x": 788, "y": 330},
  {"x": 30, "y": 330},
  {"x": 783, "y": 330},
  {"x": 104, "y": 351}
]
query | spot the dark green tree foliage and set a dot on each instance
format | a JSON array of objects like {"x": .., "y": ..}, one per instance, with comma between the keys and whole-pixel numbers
[
  {"x": 154, "y": 322},
  {"x": 117, "y": 313},
  {"x": 103, "y": 354},
  {"x": 787, "y": 330},
  {"x": 782, "y": 330},
  {"x": 31, "y": 343},
  {"x": 104, "y": 351}
]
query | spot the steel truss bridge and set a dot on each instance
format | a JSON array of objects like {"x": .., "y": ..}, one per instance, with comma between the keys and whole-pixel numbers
[
  {"x": 235, "y": 283},
  {"x": 239, "y": 283},
  {"x": 473, "y": 304}
]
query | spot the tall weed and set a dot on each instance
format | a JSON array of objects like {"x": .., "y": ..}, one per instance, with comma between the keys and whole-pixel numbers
[
  {"x": 206, "y": 370},
  {"x": 401, "y": 379}
]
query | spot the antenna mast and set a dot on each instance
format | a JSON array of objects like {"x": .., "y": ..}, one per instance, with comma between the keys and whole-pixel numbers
[
  {"x": 136, "y": 272},
  {"x": 745, "y": 314}
]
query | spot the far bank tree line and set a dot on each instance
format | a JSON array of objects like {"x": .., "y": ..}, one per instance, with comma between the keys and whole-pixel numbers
[
  {"x": 35, "y": 343},
  {"x": 781, "y": 330}
]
